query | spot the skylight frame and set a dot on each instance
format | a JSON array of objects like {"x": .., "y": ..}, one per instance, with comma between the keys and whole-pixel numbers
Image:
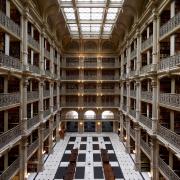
[{"x": 90, "y": 21}]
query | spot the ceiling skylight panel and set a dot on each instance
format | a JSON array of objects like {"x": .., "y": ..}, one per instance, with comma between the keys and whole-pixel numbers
[
  {"x": 107, "y": 28},
  {"x": 70, "y": 16}
]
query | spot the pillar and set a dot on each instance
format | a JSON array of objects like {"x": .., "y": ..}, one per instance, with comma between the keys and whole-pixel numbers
[
  {"x": 7, "y": 37},
  {"x": 121, "y": 127},
  {"x": 138, "y": 100},
  {"x": 50, "y": 140},
  {"x": 137, "y": 147},
  {"x": 128, "y": 135}
]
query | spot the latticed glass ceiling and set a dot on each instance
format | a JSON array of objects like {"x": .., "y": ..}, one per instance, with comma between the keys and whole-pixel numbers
[{"x": 90, "y": 18}]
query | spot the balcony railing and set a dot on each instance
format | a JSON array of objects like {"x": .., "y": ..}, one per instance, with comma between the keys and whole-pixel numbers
[
  {"x": 110, "y": 104},
  {"x": 108, "y": 90},
  {"x": 132, "y": 132},
  {"x": 72, "y": 64},
  {"x": 32, "y": 147},
  {"x": 47, "y": 53},
  {"x": 70, "y": 91},
  {"x": 55, "y": 92},
  {"x": 75, "y": 77},
  {"x": 147, "y": 43},
  {"x": 125, "y": 92},
  {"x": 146, "y": 121},
  {"x": 147, "y": 95},
  {"x": 132, "y": 73},
  {"x": 70, "y": 104},
  {"x": 46, "y": 93},
  {"x": 132, "y": 113},
  {"x": 90, "y": 65},
  {"x": 170, "y": 25},
  {"x": 46, "y": 132},
  {"x": 146, "y": 69},
  {"x": 146, "y": 147},
  {"x": 108, "y": 65},
  {"x": 89, "y": 90},
  {"x": 170, "y": 99},
  {"x": 89, "y": 103},
  {"x": 32, "y": 121},
  {"x": 10, "y": 171},
  {"x": 133, "y": 53},
  {"x": 105, "y": 77},
  {"x": 33, "y": 42},
  {"x": 169, "y": 136},
  {"x": 9, "y": 136},
  {"x": 32, "y": 95},
  {"x": 47, "y": 113},
  {"x": 48, "y": 73},
  {"x": 34, "y": 69},
  {"x": 9, "y": 24},
  {"x": 10, "y": 62},
  {"x": 133, "y": 93},
  {"x": 167, "y": 170},
  {"x": 169, "y": 62},
  {"x": 7, "y": 99},
  {"x": 55, "y": 108},
  {"x": 93, "y": 77},
  {"x": 124, "y": 108}
]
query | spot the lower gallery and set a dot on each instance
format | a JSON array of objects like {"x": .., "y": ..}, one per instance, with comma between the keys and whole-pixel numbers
[{"x": 89, "y": 89}]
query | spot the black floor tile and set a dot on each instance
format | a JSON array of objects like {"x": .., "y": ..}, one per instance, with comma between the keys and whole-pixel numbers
[
  {"x": 95, "y": 146},
  {"x": 60, "y": 173},
  {"x": 81, "y": 157},
  {"x": 82, "y": 146},
  {"x": 109, "y": 146},
  {"x": 112, "y": 157},
  {"x": 72, "y": 139},
  {"x": 80, "y": 171},
  {"x": 83, "y": 139},
  {"x": 98, "y": 173},
  {"x": 96, "y": 158},
  {"x": 69, "y": 146},
  {"x": 65, "y": 158},
  {"x": 95, "y": 138},
  {"x": 118, "y": 172},
  {"x": 106, "y": 138}
]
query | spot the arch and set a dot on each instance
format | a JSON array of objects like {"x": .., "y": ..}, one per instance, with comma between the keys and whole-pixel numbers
[
  {"x": 90, "y": 114},
  {"x": 71, "y": 115},
  {"x": 107, "y": 45},
  {"x": 90, "y": 46},
  {"x": 107, "y": 115}
]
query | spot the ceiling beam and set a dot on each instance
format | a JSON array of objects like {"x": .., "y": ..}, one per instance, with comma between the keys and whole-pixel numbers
[
  {"x": 104, "y": 18},
  {"x": 77, "y": 18}
]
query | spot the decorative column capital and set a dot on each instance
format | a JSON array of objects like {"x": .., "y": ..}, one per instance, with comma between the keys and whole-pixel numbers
[
  {"x": 154, "y": 83},
  {"x": 25, "y": 82}
]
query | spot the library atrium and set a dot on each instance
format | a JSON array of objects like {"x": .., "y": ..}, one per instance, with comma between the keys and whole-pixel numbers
[{"x": 89, "y": 89}]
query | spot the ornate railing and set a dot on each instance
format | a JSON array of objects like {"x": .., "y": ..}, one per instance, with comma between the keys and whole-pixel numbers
[
  {"x": 111, "y": 104},
  {"x": 133, "y": 93},
  {"x": 167, "y": 170},
  {"x": 47, "y": 112},
  {"x": 34, "y": 69},
  {"x": 47, "y": 53},
  {"x": 54, "y": 108},
  {"x": 132, "y": 113},
  {"x": 32, "y": 147},
  {"x": 147, "y": 43},
  {"x": 108, "y": 65},
  {"x": 133, "y": 53},
  {"x": 93, "y": 77},
  {"x": 170, "y": 25},
  {"x": 55, "y": 92},
  {"x": 32, "y": 121},
  {"x": 170, "y": 99},
  {"x": 105, "y": 77},
  {"x": 125, "y": 92},
  {"x": 147, "y": 95},
  {"x": 146, "y": 69},
  {"x": 89, "y": 103},
  {"x": 146, "y": 121},
  {"x": 70, "y": 91},
  {"x": 89, "y": 90},
  {"x": 33, "y": 42},
  {"x": 108, "y": 90},
  {"x": 46, "y": 132},
  {"x": 145, "y": 146},
  {"x": 169, "y": 136},
  {"x": 70, "y": 78},
  {"x": 72, "y": 64},
  {"x": 70, "y": 104},
  {"x": 7, "y": 99},
  {"x": 10, "y": 62},
  {"x": 9, "y": 24},
  {"x": 125, "y": 60},
  {"x": 90, "y": 64},
  {"x": 46, "y": 93},
  {"x": 48, "y": 73},
  {"x": 169, "y": 62},
  {"x": 8, "y": 173},
  {"x": 9, "y": 136},
  {"x": 132, "y": 132},
  {"x": 132, "y": 73},
  {"x": 32, "y": 95},
  {"x": 124, "y": 108}
]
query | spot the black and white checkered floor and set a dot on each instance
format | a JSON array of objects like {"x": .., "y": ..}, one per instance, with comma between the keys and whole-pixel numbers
[{"x": 89, "y": 165}]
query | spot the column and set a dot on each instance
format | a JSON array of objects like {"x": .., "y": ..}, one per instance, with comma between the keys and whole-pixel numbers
[
  {"x": 138, "y": 51},
  {"x": 7, "y": 37},
  {"x": 23, "y": 159},
  {"x": 121, "y": 126},
  {"x": 172, "y": 37},
  {"x": 51, "y": 96},
  {"x": 173, "y": 90},
  {"x": 6, "y": 111},
  {"x": 137, "y": 147},
  {"x": 128, "y": 96},
  {"x": 50, "y": 140},
  {"x": 81, "y": 121},
  {"x": 128, "y": 135},
  {"x": 57, "y": 125},
  {"x": 154, "y": 158},
  {"x": 154, "y": 106},
  {"x": 138, "y": 100},
  {"x": 41, "y": 104},
  {"x": 42, "y": 52}
]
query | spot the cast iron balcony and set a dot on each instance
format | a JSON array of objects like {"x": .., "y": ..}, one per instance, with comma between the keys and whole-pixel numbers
[
  {"x": 33, "y": 42},
  {"x": 170, "y": 99},
  {"x": 46, "y": 132},
  {"x": 47, "y": 113},
  {"x": 46, "y": 53},
  {"x": 147, "y": 43},
  {"x": 133, "y": 93},
  {"x": 9, "y": 136},
  {"x": 46, "y": 93},
  {"x": 132, "y": 112},
  {"x": 34, "y": 69},
  {"x": 10, "y": 62},
  {"x": 146, "y": 121},
  {"x": 32, "y": 95},
  {"x": 132, "y": 132},
  {"x": 145, "y": 146},
  {"x": 9, "y": 24},
  {"x": 170, "y": 25},
  {"x": 7, "y": 99},
  {"x": 147, "y": 95},
  {"x": 133, "y": 53},
  {"x": 32, "y": 147},
  {"x": 32, "y": 121}
]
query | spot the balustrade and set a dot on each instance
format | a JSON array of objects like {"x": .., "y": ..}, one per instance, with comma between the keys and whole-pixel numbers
[
  {"x": 133, "y": 53},
  {"x": 146, "y": 69},
  {"x": 146, "y": 121},
  {"x": 147, "y": 95},
  {"x": 133, "y": 93},
  {"x": 47, "y": 53},
  {"x": 32, "y": 121},
  {"x": 32, "y": 95},
  {"x": 32, "y": 147},
  {"x": 7, "y": 99},
  {"x": 147, "y": 43},
  {"x": 33, "y": 42},
  {"x": 47, "y": 113},
  {"x": 9, "y": 24},
  {"x": 108, "y": 65},
  {"x": 170, "y": 99},
  {"x": 34, "y": 69},
  {"x": 46, "y": 93},
  {"x": 132, "y": 113},
  {"x": 132, "y": 132},
  {"x": 145, "y": 146}
]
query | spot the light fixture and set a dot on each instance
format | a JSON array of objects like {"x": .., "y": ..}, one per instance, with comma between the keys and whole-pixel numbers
[
  {"x": 81, "y": 123},
  {"x": 44, "y": 152},
  {"x": 27, "y": 175},
  {"x": 125, "y": 137},
  {"x": 134, "y": 151},
  {"x": 149, "y": 174},
  {"x": 99, "y": 123}
]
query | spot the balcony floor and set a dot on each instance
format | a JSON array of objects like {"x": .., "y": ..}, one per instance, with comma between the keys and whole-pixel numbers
[{"x": 87, "y": 168}]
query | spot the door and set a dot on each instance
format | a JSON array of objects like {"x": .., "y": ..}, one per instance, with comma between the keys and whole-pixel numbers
[{"x": 89, "y": 126}]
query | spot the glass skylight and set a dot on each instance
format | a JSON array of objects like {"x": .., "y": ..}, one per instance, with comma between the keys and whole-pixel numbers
[{"x": 90, "y": 18}]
